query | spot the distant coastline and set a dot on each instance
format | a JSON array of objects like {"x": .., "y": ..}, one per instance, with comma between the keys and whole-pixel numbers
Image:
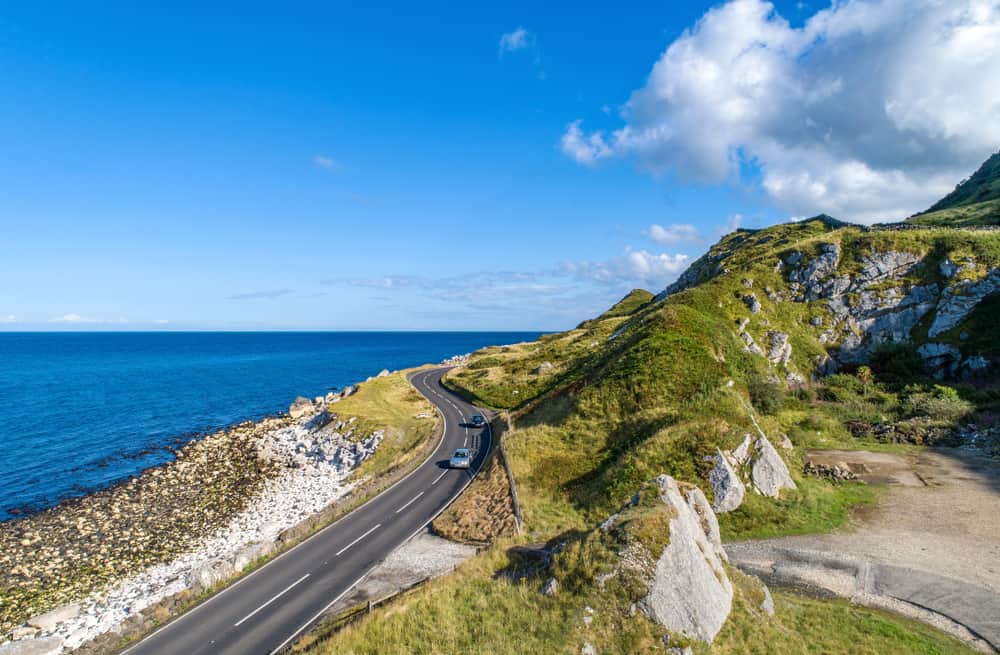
[{"x": 85, "y": 411}]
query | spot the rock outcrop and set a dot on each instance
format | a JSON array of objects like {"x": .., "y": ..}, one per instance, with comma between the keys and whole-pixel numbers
[
  {"x": 43, "y": 646},
  {"x": 768, "y": 471},
  {"x": 301, "y": 407},
  {"x": 727, "y": 488},
  {"x": 689, "y": 592},
  {"x": 959, "y": 300},
  {"x": 884, "y": 300},
  {"x": 754, "y": 463}
]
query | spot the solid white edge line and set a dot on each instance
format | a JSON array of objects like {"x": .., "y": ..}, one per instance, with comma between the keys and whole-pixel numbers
[
  {"x": 208, "y": 601},
  {"x": 348, "y": 546},
  {"x": 273, "y": 598},
  {"x": 489, "y": 429},
  {"x": 410, "y": 502}
]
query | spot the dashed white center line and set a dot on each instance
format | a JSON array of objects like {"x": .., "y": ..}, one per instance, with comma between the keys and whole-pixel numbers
[
  {"x": 438, "y": 478},
  {"x": 273, "y": 598},
  {"x": 410, "y": 502},
  {"x": 344, "y": 549}
]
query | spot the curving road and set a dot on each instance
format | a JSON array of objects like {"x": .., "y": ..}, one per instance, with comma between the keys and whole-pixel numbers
[{"x": 264, "y": 612}]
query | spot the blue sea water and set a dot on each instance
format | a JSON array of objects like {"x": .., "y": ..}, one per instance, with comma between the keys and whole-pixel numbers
[{"x": 80, "y": 411}]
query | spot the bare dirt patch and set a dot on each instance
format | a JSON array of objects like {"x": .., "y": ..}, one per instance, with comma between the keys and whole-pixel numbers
[{"x": 941, "y": 515}]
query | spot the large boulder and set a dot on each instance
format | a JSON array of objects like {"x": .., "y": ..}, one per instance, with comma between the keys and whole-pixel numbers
[
  {"x": 49, "y": 620},
  {"x": 768, "y": 471},
  {"x": 301, "y": 407},
  {"x": 727, "y": 488},
  {"x": 46, "y": 646},
  {"x": 690, "y": 592}
]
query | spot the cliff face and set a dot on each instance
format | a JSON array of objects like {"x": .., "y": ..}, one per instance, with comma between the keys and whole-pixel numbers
[{"x": 844, "y": 292}]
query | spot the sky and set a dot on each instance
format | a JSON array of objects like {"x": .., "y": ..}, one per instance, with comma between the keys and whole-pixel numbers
[{"x": 465, "y": 166}]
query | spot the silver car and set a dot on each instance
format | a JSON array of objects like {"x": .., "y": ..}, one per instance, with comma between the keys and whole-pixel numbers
[{"x": 461, "y": 459}]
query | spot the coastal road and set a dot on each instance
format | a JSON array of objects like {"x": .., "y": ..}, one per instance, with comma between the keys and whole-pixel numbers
[{"x": 265, "y": 612}]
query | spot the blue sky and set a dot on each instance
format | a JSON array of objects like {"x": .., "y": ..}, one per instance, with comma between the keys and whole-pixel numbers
[{"x": 435, "y": 165}]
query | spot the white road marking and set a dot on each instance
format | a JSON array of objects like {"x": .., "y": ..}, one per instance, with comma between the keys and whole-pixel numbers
[
  {"x": 410, "y": 502},
  {"x": 273, "y": 598},
  {"x": 358, "y": 539},
  {"x": 438, "y": 478},
  {"x": 489, "y": 432}
]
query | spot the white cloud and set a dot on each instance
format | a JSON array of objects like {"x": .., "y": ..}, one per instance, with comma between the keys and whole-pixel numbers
[
  {"x": 514, "y": 41},
  {"x": 677, "y": 233},
  {"x": 266, "y": 294},
  {"x": 871, "y": 110},
  {"x": 632, "y": 268},
  {"x": 732, "y": 223},
  {"x": 329, "y": 163},
  {"x": 9, "y": 318},
  {"x": 69, "y": 318},
  {"x": 584, "y": 149}
]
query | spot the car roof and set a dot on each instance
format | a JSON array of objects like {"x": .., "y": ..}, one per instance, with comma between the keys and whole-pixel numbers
[{"x": 464, "y": 451}]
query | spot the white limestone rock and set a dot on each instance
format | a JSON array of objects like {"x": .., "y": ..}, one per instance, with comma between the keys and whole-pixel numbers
[
  {"x": 768, "y": 471},
  {"x": 689, "y": 592},
  {"x": 49, "y": 620},
  {"x": 301, "y": 407},
  {"x": 709, "y": 522},
  {"x": 45, "y": 646},
  {"x": 958, "y": 301},
  {"x": 727, "y": 488}
]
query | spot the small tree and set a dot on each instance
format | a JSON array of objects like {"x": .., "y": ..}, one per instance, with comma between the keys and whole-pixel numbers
[{"x": 865, "y": 377}]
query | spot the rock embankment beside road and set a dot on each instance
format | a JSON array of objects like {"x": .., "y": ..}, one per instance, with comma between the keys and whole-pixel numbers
[{"x": 221, "y": 504}]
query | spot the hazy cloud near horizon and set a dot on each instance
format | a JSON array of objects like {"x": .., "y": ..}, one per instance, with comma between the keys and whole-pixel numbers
[
  {"x": 269, "y": 294},
  {"x": 873, "y": 109}
]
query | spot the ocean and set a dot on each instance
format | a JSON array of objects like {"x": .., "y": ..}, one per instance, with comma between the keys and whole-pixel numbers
[{"x": 81, "y": 411}]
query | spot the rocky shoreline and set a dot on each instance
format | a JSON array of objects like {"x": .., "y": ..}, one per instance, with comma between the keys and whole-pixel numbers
[{"x": 222, "y": 503}]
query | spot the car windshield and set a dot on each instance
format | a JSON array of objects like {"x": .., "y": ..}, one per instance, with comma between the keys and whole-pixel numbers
[{"x": 461, "y": 453}]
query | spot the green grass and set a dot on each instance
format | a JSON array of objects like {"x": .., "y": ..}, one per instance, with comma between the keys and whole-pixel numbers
[
  {"x": 980, "y": 213},
  {"x": 816, "y": 506},
  {"x": 671, "y": 386},
  {"x": 389, "y": 403},
  {"x": 475, "y": 612},
  {"x": 982, "y": 185}
]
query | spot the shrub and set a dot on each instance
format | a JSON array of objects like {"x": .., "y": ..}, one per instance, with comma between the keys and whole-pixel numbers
[
  {"x": 765, "y": 395},
  {"x": 940, "y": 403}
]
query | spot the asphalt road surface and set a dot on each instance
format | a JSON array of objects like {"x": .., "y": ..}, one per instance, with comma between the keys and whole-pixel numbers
[{"x": 267, "y": 610}]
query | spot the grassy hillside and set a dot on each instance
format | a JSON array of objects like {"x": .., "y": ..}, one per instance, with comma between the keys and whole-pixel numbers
[
  {"x": 658, "y": 390},
  {"x": 976, "y": 201},
  {"x": 655, "y": 386},
  {"x": 492, "y": 606},
  {"x": 981, "y": 186}
]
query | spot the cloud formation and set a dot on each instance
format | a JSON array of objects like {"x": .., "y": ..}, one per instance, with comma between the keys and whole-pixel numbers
[
  {"x": 269, "y": 294},
  {"x": 632, "y": 268},
  {"x": 329, "y": 163},
  {"x": 514, "y": 41},
  {"x": 676, "y": 233},
  {"x": 871, "y": 110},
  {"x": 9, "y": 318},
  {"x": 69, "y": 318}
]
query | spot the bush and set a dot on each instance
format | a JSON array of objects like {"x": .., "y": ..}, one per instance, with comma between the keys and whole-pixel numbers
[
  {"x": 765, "y": 395},
  {"x": 939, "y": 403},
  {"x": 841, "y": 388}
]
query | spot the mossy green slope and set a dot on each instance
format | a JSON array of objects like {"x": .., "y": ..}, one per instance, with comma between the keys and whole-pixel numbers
[
  {"x": 975, "y": 201},
  {"x": 659, "y": 389}
]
